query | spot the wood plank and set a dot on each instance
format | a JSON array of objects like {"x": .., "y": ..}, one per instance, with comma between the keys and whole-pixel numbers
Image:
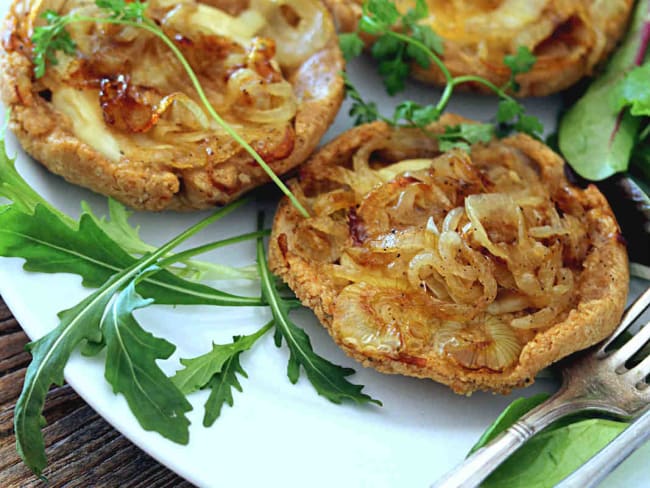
[{"x": 83, "y": 449}]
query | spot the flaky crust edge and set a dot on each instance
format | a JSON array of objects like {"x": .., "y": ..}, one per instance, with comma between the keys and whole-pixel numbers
[{"x": 603, "y": 283}]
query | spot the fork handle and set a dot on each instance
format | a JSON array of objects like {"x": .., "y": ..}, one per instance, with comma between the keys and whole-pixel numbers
[{"x": 481, "y": 463}]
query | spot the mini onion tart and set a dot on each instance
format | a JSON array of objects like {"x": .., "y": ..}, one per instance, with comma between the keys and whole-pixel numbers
[
  {"x": 475, "y": 270},
  {"x": 120, "y": 116},
  {"x": 568, "y": 37}
]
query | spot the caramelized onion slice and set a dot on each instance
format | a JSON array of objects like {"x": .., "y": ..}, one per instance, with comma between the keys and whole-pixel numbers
[{"x": 488, "y": 343}]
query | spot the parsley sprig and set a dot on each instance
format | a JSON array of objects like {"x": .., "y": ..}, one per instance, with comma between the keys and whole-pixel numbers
[
  {"x": 53, "y": 37},
  {"x": 400, "y": 40}
]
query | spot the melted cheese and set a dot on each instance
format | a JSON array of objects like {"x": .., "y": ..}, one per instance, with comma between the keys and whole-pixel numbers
[{"x": 83, "y": 110}]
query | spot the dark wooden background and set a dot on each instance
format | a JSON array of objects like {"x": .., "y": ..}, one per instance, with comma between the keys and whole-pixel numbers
[{"x": 82, "y": 449}]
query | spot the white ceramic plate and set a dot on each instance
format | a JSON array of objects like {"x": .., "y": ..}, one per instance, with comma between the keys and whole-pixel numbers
[{"x": 277, "y": 433}]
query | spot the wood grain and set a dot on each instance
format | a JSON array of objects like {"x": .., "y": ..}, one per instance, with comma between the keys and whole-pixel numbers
[{"x": 83, "y": 450}]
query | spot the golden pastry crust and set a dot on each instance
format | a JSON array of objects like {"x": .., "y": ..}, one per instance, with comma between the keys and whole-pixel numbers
[
  {"x": 381, "y": 320},
  {"x": 569, "y": 38},
  {"x": 217, "y": 170}
]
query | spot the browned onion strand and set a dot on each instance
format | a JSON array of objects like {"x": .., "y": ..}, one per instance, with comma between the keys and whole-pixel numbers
[
  {"x": 239, "y": 63},
  {"x": 479, "y": 251}
]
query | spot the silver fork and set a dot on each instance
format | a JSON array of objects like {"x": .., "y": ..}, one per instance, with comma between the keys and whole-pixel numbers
[{"x": 595, "y": 380}]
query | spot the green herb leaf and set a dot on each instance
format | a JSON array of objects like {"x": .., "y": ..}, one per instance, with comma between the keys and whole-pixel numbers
[
  {"x": 462, "y": 136},
  {"x": 508, "y": 110},
  {"x": 124, "y": 9},
  {"x": 361, "y": 111},
  {"x": 47, "y": 40},
  {"x": 378, "y": 15},
  {"x": 131, "y": 369},
  {"x": 51, "y": 353},
  {"x": 520, "y": 62},
  {"x": 327, "y": 378},
  {"x": 351, "y": 45},
  {"x": 633, "y": 92},
  {"x": 198, "y": 371}
]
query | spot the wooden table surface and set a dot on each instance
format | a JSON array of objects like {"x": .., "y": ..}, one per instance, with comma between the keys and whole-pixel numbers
[{"x": 82, "y": 449}]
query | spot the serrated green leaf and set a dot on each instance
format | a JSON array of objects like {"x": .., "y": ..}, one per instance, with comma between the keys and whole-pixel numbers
[
  {"x": 51, "y": 352},
  {"x": 508, "y": 110},
  {"x": 386, "y": 46},
  {"x": 351, "y": 45},
  {"x": 329, "y": 379},
  {"x": 427, "y": 36},
  {"x": 529, "y": 124},
  {"x": 50, "y": 246},
  {"x": 221, "y": 386},
  {"x": 394, "y": 73},
  {"x": 379, "y": 14},
  {"x": 14, "y": 187},
  {"x": 131, "y": 369},
  {"x": 49, "y": 356},
  {"x": 520, "y": 62},
  {"x": 198, "y": 371}
]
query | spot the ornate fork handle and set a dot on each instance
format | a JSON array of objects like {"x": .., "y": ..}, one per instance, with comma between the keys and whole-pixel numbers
[{"x": 481, "y": 463}]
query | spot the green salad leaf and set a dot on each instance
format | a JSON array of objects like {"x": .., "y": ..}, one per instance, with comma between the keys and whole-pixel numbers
[
  {"x": 131, "y": 369},
  {"x": 48, "y": 245},
  {"x": 198, "y": 371},
  {"x": 329, "y": 379},
  {"x": 633, "y": 92},
  {"x": 78, "y": 324},
  {"x": 598, "y": 133},
  {"x": 553, "y": 454}
]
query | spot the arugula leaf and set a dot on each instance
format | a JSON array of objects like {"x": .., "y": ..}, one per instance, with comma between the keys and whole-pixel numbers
[
  {"x": 508, "y": 417},
  {"x": 327, "y": 378},
  {"x": 552, "y": 455},
  {"x": 23, "y": 197},
  {"x": 520, "y": 62},
  {"x": 49, "y": 246},
  {"x": 595, "y": 138},
  {"x": 633, "y": 92},
  {"x": 131, "y": 368},
  {"x": 198, "y": 371},
  {"x": 50, "y": 355},
  {"x": 51, "y": 352},
  {"x": 119, "y": 230},
  {"x": 218, "y": 371},
  {"x": 221, "y": 386}
]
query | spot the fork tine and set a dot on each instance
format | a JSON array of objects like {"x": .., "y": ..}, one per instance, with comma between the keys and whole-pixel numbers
[
  {"x": 627, "y": 350},
  {"x": 641, "y": 371},
  {"x": 630, "y": 315}
]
